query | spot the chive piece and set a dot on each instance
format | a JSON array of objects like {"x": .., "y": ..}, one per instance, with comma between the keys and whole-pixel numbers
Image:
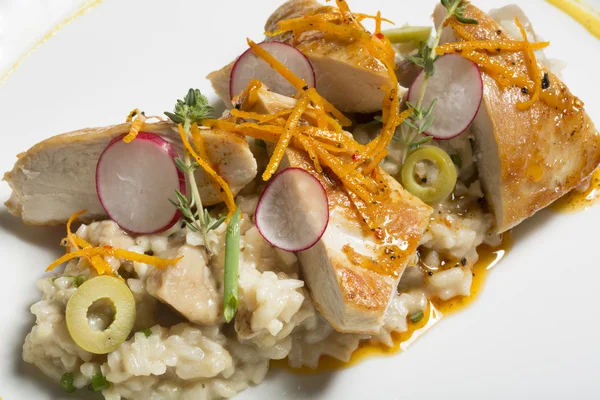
[
  {"x": 66, "y": 382},
  {"x": 456, "y": 160},
  {"x": 78, "y": 281},
  {"x": 260, "y": 143},
  {"x": 416, "y": 317},
  {"x": 232, "y": 255},
  {"x": 99, "y": 383},
  {"x": 147, "y": 332}
]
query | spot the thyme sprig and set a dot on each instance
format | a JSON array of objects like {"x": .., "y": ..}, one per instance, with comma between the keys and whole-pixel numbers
[
  {"x": 413, "y": 128},
  {"x": 191, "y": 216},
  {"x": 191, "y": 110}
]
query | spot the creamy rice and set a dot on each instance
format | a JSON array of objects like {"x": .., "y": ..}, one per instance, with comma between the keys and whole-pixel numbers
[{"x": 276, "y": 318}]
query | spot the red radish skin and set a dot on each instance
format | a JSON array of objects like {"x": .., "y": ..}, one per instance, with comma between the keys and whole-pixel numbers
[
  {"x": 152, "y": 154},
  {"x": 268, "y": 213},
  {"x": 458, "y": 87},
  {"x": 249, "y": 66}
]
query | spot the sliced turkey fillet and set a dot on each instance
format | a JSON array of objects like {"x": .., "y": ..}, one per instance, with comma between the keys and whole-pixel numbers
[
  {"x": 348, "y": 288},
  {"x": 526, "y": 159},
  {"x": 347, "y": 75},
  {"x": 187, "y": 287},
  {"x": 57, "y": 177}
]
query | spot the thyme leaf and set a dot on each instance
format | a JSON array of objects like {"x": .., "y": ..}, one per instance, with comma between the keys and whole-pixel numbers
[{"x": 193, "y": 108}]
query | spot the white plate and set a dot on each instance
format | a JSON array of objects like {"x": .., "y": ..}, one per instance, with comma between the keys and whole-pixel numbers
[{"x": 532, "y": 334}]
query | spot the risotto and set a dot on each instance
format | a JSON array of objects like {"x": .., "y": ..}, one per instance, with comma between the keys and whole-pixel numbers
[{"x": 167, "y": 357}]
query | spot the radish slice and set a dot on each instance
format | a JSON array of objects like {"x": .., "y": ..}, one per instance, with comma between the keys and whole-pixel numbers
[
  {"x": 280, "y": 217},
  {"x": 458, "y": 87},
  {"x": 249, "y": 66},
  {"x": 135, "y": 180}
]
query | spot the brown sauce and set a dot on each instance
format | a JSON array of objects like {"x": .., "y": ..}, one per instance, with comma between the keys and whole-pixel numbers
[
  {"x": 578, "y": 201},
  {"x": 436, "y": 310}
]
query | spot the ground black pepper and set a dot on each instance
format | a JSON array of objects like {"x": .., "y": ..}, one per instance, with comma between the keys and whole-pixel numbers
[{"x": 545, "y": 81}]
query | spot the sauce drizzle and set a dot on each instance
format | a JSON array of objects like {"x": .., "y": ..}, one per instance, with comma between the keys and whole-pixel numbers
[
  {"x": 578, "y": 201},
  {"x": 581, "y": 12},
  {"x": 489, "y": 257}
]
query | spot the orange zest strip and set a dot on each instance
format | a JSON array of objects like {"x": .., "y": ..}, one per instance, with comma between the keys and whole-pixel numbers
[
  {"x": 75, "y": 242},
  {"x": 328, "y": 134},
  {"x": 342, "y": 5},
  {"x": 350, "y": 181},
  {"x": 378, "y": 23},
  {"x": 137, "y": 120},
  {"x": 224, "y": 191},
  {"x": 284, "y": 140},
  {"x": 132, "y": 114},
  {"x": 289, "y": 76},
  {"x": 268, "y": 133},
  {"x": 299, "y": 83},
  {"x": 119, "y": 253},
  {"x": 375, "y": 161},
  {"x": 260, "y": 118},
  {"x": 361, "y": 17},
  {"x": 311, "y": 152},
  {"x": 199, "y": 142},
  {"x": 249, "y": 95},
  {"x": 534, "y": 70},
  {"x": 321, "y": 118},
  {"x": 490, "y": 45},
  {"x": 70, "y": 236},
  {"x": 327, "y": 106},
  {"x": 502, "y": 73},
  {"x": 496, "y": 68}
]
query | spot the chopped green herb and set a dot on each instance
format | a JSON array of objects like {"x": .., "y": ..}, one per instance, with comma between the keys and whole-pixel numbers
[
  {"x": 456, "y": 160},
  {"x": 99, "y": 383},
  {"x": 416, "y": 317},
  {"x": 147, "y": 332},
  {"x": 260, "y": 143},
  {"x": 78, "y": 281},
  {"x": 232, "y": 255},
  {"x": 66, "y": 382}
]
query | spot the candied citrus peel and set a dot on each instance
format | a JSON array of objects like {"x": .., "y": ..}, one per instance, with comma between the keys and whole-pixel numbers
[
  {"x": 78, "y": 247},
  {"x": 490, "y": 45},
  {"x": 118, "y": 253},
  {"x": 321, "y": 132},
  {"x": 284, "y": 140},
  {"x": 137, "y": 120},
  {"x": 534, "y": 70},
  {"x": 313, "y": 124},
  {"x": 481, "y": 52}
]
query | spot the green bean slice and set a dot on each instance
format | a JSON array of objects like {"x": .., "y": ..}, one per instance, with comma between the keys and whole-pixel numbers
[
  {"x": 119, "y": 295},
  {"x": 443, "y": 186}
]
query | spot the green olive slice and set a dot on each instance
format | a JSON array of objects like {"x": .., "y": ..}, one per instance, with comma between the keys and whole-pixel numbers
[
  {"x": 406, "y": 34},
  {"x": 119, "y": 295},
  {"x": 433, "y": 192}
]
